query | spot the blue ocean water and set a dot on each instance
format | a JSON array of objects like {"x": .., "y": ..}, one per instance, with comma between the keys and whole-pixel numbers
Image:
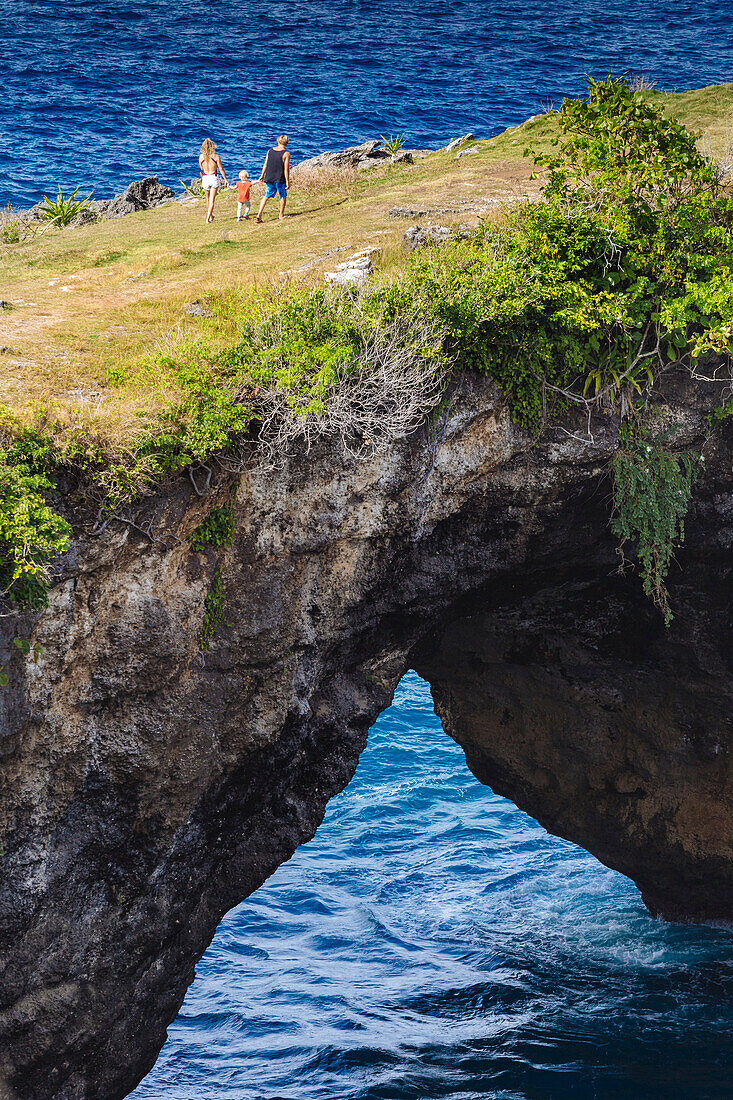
[
  {"x": 434, "y": 941},
  {"x": 99, "y": 93}
]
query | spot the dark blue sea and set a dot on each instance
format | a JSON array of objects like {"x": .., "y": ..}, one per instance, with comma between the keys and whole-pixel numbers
[
  {"x": 431, "y": 941},
  {"x": 100, "y": 93}
]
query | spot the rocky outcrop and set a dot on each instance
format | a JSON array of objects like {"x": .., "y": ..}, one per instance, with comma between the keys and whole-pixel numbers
[
  {"x": 456, "y": 143},
  {"x": 139, "y": 195},
  {"x": 356, "y": 271},
  {"x": 369, "y": 154},
  {"x": 147, "y": 787},
  {"x": 420, "y": 236}
]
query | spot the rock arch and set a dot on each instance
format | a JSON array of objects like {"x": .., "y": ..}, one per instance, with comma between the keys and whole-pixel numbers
[{"x": 146, "y": 790}]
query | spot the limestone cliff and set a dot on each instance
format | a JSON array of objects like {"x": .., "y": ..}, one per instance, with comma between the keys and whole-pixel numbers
[{"x": 147, "y": 788}]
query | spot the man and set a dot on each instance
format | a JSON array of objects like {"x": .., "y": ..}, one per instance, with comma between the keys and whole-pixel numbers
[{"x": 276, "y": 175}]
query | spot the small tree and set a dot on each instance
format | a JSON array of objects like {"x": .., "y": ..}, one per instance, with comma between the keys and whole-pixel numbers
[{"x": 619, "y": 150}]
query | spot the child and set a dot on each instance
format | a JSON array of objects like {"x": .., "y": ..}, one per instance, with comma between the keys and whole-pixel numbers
[{"x": 243, "y": 189}]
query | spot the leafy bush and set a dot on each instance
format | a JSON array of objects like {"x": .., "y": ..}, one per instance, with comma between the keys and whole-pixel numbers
[
  {"x": 10, "y": 232},
  {"x": 622, "y": 268},
  {"x": 63, "y": 209},
  {"x": 31, "y": 534}
]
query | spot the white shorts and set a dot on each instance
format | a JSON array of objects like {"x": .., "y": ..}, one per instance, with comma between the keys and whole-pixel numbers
[{"x": 210, "y": 181}]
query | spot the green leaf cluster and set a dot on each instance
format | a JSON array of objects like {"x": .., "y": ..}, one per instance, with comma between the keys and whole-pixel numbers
[
  {"x": 393, "y": 143},
  {"x": 216, "y": 530},
  {"x": 31, "y": 533},
  {"x": 214, "y": 609},
  {"x": 10, "y": 233},
  {"x": 623, "y": 267},
  {"x": 652, "y": 489}
]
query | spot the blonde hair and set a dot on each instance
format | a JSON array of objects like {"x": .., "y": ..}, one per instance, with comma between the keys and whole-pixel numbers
[
  {"x": 243, "y": 175},
  {"x": 283, "y": 139},
  {"x": 207, "y": 148}
]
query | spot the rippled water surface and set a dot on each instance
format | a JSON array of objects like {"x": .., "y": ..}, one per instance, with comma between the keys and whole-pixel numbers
[
  {"x": 433, "y": 941},
  {"x": 98, "y": 94}
]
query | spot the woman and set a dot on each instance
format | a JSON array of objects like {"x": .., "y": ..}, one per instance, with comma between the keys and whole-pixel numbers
[{"x": 210, "y": 165}]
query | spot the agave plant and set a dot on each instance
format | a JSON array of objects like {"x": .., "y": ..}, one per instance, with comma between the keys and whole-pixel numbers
[
  {"x": 196, "y": 188},
  {"x": 63, "y": 209},
  {"x": 393, "y": 144}
]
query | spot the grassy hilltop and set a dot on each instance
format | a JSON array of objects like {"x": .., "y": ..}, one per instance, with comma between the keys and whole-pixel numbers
[
  {"x": 90, "y": 303},
  {"x": 584, "y": 298}
]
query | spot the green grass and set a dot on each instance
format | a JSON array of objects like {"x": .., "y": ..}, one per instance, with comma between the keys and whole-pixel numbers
[{"x": 100, "y": 301}]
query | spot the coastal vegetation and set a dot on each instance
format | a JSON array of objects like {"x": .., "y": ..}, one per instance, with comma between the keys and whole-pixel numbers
[
  {"x": 62, "y": 209},
  {"x": 581, "y": 298}
]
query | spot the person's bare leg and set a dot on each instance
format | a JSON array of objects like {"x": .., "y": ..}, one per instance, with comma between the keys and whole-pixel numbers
[
  {"x": 282, "y": 208},
  {"x": 262, "y": 207},
  {"x": 210, "y": 205}
]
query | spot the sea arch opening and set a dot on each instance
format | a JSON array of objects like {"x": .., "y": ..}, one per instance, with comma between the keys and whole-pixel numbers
[{"x": 412, "y": 944}]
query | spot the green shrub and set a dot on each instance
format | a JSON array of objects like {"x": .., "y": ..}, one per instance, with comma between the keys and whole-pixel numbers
[
  {"x": 393, "y": 144},
  {"x": 10, "y": 232},
  {"x": 623, "y": 267},
  {"x": 216, "y": 530},
  {"x": 31, "y": 534}
]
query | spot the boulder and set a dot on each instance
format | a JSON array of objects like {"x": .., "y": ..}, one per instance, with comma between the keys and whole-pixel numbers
[
  {"x": 351, "y": 276},
  {"x": 362, "y": 263},
  {"x": 355, "y": 271}
]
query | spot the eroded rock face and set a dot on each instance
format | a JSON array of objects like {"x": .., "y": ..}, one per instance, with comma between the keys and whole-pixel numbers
[
  {"x": 147, "y": 788},
  {"x": 579, "y": 706}
]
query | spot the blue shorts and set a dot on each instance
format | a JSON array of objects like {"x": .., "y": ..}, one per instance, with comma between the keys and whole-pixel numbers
[{"x": 272, "y": 189}]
